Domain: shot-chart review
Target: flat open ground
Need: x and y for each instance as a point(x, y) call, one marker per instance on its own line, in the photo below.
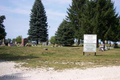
point(9, 72)
point(61, 63)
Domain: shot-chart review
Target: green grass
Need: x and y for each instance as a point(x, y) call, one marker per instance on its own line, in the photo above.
point(59, 57)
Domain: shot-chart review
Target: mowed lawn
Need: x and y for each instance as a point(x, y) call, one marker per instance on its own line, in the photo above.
point(59, 57)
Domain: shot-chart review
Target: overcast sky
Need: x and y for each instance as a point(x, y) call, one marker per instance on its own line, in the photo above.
point(17, 14)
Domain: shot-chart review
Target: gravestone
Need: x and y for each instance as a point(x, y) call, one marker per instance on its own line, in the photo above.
point(101, 48)
point(3, 41)
point(56, 45)
point(24, 41)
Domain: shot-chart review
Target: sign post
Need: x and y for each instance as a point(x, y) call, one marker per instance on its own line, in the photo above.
point(90, 41)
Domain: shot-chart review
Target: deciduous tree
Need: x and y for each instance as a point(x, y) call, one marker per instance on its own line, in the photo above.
point(19, 39)
point(52, 40)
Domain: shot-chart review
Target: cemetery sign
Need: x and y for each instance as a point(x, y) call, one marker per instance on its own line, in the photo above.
point(90, 41)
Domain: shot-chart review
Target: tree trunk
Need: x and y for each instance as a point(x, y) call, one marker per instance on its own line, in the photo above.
point(110, 44)
point(37, 42)
point(97, 43)
point(78, 42)
point(104, 45)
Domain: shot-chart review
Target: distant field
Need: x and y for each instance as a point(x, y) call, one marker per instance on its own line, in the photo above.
point(59, 57)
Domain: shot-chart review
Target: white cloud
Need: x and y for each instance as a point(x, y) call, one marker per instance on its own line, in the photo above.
point(17, 6)
point(17, 10)
point(21, 8)
point(24, 4)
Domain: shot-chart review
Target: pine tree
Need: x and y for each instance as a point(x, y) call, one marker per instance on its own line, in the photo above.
point(38, 23)
point(94, 17)
point(74, 16)
point(64, 34)
point(87, 20)
point(2, 28)
point(106, 20)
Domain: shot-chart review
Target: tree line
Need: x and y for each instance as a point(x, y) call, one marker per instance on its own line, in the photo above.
point(89, 17)
point(84, 17)
point(17, 40)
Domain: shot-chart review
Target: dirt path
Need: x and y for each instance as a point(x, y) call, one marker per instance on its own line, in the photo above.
point(9, 72)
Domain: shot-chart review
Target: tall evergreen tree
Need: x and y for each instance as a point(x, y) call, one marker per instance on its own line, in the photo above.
point(106, 20)
point(2, 28)
point(100, 18)
point(88, 17)
point(94, 17)
point(74, 16)
point(64, 34)
point(38, 23)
